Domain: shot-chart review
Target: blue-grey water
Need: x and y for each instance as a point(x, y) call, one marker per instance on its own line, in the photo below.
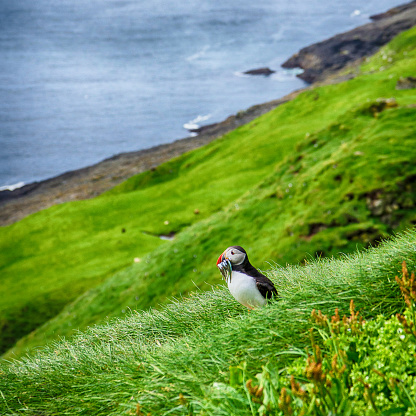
point(81, 81)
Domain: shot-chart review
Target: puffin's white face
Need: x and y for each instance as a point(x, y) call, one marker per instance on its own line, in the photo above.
point(231, 256)
point(234, 255)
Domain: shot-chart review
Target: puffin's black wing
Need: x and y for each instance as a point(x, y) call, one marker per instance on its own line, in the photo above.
point(264, 284)
point(265, 287)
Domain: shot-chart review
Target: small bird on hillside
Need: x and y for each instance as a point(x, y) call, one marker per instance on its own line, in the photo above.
point(245, 282)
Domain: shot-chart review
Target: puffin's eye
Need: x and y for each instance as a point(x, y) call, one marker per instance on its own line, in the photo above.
point(232, 252)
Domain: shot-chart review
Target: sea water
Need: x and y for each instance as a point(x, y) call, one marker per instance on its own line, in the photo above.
point(81, 81)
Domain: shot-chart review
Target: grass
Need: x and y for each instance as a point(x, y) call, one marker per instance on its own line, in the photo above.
point(325, 173)
point(171, 361)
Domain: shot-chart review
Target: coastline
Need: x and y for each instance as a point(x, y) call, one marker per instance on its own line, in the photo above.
point(91, 181)
point(319, 60)
point(321, 66)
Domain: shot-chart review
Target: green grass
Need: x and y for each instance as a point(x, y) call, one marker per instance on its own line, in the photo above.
point(172, 360)
point(328, 172)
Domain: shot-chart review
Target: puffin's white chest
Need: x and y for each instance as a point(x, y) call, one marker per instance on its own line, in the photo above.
point(244, 290)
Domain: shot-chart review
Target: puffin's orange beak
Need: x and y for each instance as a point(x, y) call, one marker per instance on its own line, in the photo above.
point(220, 259)
point(224, 266)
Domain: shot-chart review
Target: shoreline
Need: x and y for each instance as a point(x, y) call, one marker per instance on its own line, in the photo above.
point(91, 181)
point(321, 66)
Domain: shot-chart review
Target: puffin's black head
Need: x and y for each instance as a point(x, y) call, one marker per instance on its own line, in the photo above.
point(235, 254)
point(232, 256)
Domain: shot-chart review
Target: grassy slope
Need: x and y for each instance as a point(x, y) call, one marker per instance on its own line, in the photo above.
point(155, 358)
point(301, 179)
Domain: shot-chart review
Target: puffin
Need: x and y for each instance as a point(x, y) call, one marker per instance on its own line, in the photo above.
point(245, 282)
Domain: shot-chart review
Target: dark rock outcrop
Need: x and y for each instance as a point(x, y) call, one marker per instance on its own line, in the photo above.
point(406, 83)
point(321, 59)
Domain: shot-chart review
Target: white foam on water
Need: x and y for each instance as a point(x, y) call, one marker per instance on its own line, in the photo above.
point(12, 187)
point(198, 54)
point(286, 74)
point(194, 124)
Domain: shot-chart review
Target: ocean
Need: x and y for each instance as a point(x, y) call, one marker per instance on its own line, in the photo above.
point(81, 81)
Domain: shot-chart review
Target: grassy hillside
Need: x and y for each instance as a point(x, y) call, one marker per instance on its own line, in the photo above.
point(328, 172)
point(195, 356)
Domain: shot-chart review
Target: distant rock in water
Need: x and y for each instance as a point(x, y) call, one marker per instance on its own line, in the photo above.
point(321, 59)
point(260, 71)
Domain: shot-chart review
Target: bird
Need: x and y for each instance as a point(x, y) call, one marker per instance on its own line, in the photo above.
point(248, 286)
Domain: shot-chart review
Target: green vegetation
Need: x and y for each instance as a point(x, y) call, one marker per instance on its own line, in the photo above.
point(354, 367)
point(326, 173)
point(195, 356)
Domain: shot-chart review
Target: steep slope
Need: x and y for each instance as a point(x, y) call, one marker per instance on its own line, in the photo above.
point(189, 357)
point(327, 172)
